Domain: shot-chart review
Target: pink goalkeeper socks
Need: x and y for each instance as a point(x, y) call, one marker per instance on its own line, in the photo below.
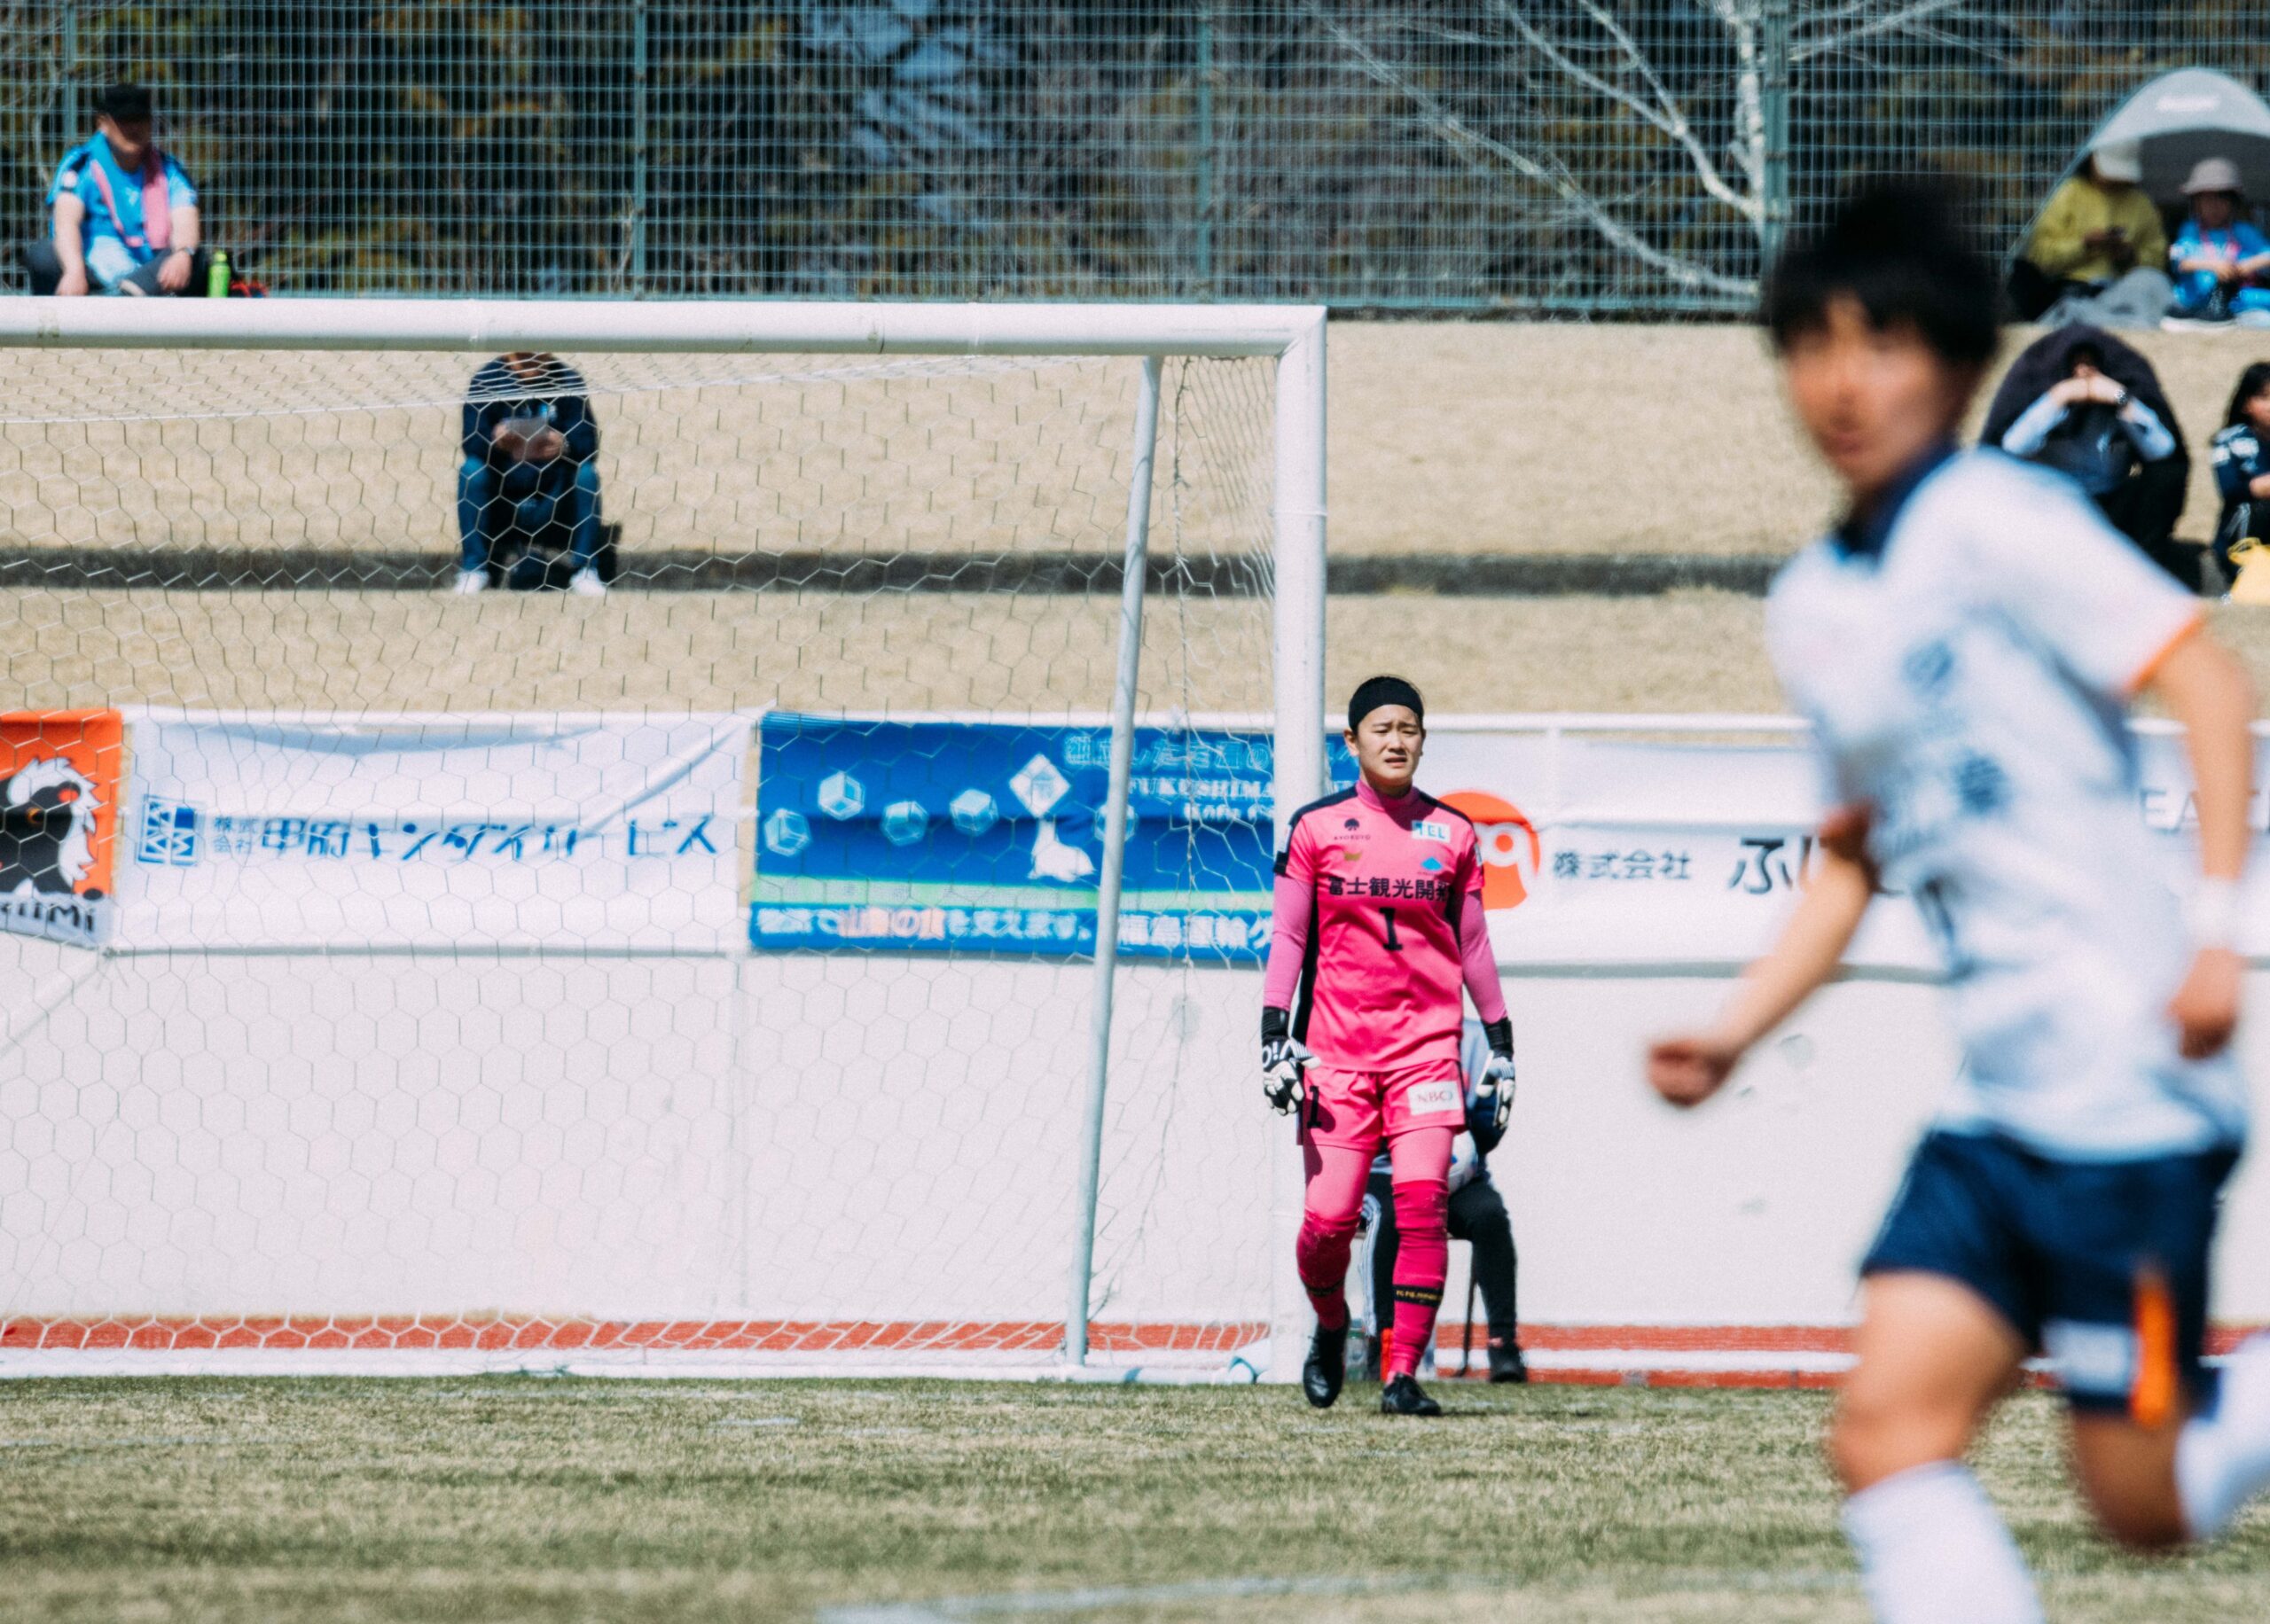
point(1423, 1259)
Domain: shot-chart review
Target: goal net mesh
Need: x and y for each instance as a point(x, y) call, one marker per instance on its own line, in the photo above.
point(705, 966)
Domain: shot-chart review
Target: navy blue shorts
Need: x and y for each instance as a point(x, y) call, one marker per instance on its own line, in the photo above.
point(2101, 1265)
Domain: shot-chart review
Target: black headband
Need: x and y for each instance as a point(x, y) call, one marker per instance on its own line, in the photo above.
point(1380, 691)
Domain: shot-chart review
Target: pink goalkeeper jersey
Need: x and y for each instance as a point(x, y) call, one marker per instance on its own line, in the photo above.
point(1378, 921)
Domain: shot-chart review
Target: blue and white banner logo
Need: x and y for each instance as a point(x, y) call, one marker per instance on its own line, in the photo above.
point(983, 837)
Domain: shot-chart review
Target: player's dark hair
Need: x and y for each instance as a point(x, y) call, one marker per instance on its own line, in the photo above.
point(1374, 691)
point(1899, 249)
point(2252, 382)
point(2081, 353)
point(123, 104)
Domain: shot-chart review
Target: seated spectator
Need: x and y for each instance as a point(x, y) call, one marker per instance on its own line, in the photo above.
point(2096, 252)
point(2241, 463)
point(2221, 260)
point(530, 482)
point(1477, 1216)
point(124, 215)
point(2117, 443)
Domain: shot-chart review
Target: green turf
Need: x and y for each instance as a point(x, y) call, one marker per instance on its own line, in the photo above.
point(517, 1498)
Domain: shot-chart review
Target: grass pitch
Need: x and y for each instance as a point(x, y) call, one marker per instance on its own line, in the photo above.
point(904, 1504)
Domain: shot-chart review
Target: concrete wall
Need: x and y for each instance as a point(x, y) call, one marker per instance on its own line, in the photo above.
point(839, 1138)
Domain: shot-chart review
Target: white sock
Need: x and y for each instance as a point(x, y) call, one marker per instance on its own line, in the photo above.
point(2222, 1460)
point(1933, 1551)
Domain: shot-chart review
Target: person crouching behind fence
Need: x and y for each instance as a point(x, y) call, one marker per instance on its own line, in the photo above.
point(2111, 442)
point(124, 215)
point(528, 489)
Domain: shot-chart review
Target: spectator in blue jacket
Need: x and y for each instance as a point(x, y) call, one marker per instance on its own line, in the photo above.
point(1477, 1216)
point(530, 475)
point(2220, 259)
point(123, 214)
point(2241, 465)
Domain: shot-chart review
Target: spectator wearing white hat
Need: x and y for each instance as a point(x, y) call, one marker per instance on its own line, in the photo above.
point(2221, 262)
point(2097, 250)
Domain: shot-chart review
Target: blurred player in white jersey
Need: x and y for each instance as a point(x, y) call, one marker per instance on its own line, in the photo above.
point(1965, 646)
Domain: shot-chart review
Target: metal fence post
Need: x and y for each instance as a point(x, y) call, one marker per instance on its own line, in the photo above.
point(70, 86)
point(637, 274)
point(1205, 199)
point(1773, 105)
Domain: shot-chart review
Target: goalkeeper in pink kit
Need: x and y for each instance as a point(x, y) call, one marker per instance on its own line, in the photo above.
point(1378, 924)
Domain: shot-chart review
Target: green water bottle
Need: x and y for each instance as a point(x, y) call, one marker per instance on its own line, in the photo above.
point(217, 276)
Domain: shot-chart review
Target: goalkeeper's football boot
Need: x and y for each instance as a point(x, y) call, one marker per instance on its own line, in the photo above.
point(1326, 1370)
point(1506, 1361)
point(1404, 1396)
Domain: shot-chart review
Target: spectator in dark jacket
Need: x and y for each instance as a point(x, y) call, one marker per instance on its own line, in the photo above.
point(2079, 400)
point(531, 474)
point(2241, 465)
point(1477, 1216)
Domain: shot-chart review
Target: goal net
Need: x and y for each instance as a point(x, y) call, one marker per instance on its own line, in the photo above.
point(678, 848)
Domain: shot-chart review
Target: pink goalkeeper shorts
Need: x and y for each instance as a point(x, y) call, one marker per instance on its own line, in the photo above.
point(1357, 1110)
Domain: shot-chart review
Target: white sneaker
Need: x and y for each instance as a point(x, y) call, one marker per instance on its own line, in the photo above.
point(585, 583)
point(469, 582)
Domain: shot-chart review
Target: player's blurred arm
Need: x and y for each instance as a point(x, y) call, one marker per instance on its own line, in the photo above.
point(1687, 1070)
point(2207, 691)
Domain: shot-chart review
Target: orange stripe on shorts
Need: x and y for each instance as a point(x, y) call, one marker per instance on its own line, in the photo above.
point(2152, 1399)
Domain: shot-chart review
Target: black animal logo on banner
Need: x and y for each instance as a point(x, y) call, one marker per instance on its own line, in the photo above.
point(47, 828)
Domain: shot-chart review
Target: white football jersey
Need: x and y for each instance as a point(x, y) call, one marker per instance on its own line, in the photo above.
point(1969, 684)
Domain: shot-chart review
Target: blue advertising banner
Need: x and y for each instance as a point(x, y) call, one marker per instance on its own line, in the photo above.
point(987, 837)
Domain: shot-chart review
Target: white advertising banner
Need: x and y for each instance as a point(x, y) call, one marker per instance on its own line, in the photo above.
point(598, 831)
point(1671, 842)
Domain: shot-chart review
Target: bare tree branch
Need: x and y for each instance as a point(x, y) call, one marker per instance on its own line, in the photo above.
point(1899, 20)
point(1664, 112)
point(1452, 129)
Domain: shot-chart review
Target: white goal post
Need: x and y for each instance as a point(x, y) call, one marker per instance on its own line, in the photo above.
point(78, 438)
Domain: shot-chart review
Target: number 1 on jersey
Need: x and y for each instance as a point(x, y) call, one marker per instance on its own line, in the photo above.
point(1394, 943)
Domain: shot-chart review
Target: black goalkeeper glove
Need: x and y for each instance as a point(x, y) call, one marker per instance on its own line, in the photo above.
point(1493, 1091)
point(1283, 1058)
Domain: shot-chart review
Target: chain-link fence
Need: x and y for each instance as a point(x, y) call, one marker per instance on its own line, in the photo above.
point(1573, 156)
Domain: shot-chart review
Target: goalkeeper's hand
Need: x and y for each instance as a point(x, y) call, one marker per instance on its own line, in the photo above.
point(1283, 1058)
point(1493, 1090)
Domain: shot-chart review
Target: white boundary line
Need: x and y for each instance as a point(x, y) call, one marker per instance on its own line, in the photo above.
point(1212, 1368)
point(1029, 1603)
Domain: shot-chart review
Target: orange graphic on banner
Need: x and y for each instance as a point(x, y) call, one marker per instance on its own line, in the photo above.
point(59, 776)
point(1511, 851)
